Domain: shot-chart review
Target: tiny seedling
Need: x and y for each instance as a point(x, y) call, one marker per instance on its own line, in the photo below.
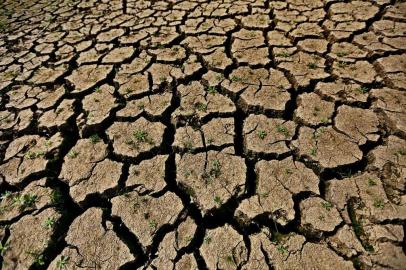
point(264, 194)
point(215, 169)
point(49, 223)
point(201, 107)
point(212, 90)
point(6, 195)
point(73, 154)
point(34, 155)
point(327, 205)
point(189, 191)
point(153, 224)
point(141, 136)
point(230, 259)
point(97, 90)
point(401, 152)
point(189, 238)
point(236, 79)
point(94, 139)
point(313, 151)
point(341, 54)
point(219, 77)
point(61, 263)
point(48, 143)
point(25, 201)
point(312, 65)
point(288, 171)
point(262, 134)
point(362, 90)
point(281, 249)
point(371, 182)
point(3, 247)
point(342, 64)
point(283, 54)
point(379, 203)
point(207, 240)
point(283, 130)
point(38, 258)
point(218, 200)
point(56, 196)
point(325, 120)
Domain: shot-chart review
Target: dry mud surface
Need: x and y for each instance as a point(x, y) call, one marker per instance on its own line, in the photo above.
point(250, 134)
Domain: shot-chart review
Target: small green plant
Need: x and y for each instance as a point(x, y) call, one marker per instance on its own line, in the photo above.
point(4, 248)
point(325, 120)
point(142, 136)
point(188, 145)
point(262, 134)
point(218, 200)
point(379, 203)
point(201, 107)
point(38, 258)
point(371, 182)
point(48, 143)
point(341, 54)
point(312, 65)
point(236, 79)
point(34, 155)
point(283, 130)
point(25, 201)
point(212, 90)
point(313, 151)
point(264, 194)
point(49, 223)
point(207, 240)
point(73, 154)
point(61, 263)
point(6, 195)
point(281, 249)
point(56, 196)
point(97, 90)
point(229, 259)
point(401, 152)
point(94, 139)
point(342, 64)
point(288, 171)
point(219, 77)
point(153, 224)
point(362, 90)
point(283, 54)
point(215, 169)
point(327, 205)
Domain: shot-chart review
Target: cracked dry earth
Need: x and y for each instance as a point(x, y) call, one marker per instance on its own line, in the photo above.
point(250, 134)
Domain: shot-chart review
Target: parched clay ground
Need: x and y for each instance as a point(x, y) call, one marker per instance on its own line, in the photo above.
point(247, 134)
